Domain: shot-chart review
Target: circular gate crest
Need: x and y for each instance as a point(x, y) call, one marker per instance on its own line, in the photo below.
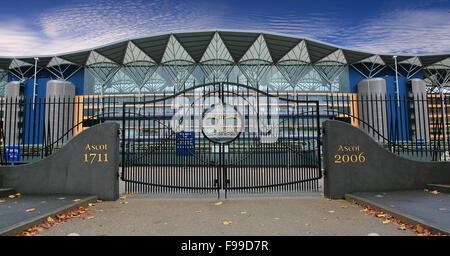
point(222, 123)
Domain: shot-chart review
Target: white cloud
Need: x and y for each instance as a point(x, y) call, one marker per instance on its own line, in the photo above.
point(87, 24)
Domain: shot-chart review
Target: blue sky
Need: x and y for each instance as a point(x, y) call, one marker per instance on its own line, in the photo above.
point(50, 27)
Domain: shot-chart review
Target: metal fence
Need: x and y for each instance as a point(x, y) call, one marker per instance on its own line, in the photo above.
point(34, 129)
point(413, 126)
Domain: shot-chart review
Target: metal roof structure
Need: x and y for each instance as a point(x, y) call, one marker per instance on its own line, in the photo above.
point(179, 52)
point(236, 42)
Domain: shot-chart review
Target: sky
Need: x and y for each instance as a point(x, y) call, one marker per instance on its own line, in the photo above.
point(33, 28)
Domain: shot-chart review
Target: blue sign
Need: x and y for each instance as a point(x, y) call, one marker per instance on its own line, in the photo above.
point(185, 143)
point(12, 153)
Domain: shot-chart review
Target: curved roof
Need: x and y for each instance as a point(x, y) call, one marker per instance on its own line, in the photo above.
point(238, 46)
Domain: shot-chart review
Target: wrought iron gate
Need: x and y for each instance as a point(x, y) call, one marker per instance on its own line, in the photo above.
point(220, 136)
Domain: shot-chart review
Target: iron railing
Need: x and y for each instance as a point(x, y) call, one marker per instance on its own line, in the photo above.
point(414, 126)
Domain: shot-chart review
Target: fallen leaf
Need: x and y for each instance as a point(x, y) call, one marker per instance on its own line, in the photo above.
point(40, 229)
point(341, 200)
point(381, 215)
point(89, 217)
point(11, 196)
point(218, 203)
point(227, 223)
point(30, 210)
point(99, 201)
point(123, 197)
point(386, 221)
point(60, 216)
point(344, 206)
point(91, 204)
point(18, 194)
point(419, 228)
point(77, 200)
point(124, 202)
point(324, 218)
point(199, 211)
point(402, 227)
point(50, 219)
point(100, 210)
point(435, 192)
point(243, 212)
point(332, 211)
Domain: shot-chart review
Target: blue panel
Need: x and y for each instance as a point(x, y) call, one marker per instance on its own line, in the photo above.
point(397, 112)
point(354, 77)
point(185, 143)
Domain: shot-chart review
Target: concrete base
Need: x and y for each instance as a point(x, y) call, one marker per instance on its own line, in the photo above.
point(15, 219)
point(4, 192)
point(414, 207)
point(87, 165)
point(354, 162)
point(439, 187)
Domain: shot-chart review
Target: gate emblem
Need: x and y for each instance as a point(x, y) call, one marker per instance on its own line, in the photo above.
point(222, 123)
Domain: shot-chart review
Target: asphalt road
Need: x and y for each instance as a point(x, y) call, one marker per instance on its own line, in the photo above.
point(302, 215)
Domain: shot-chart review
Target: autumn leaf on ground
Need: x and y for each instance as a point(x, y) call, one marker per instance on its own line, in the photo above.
point(77, 200)
point(60, 216)
point(332, 211)
point(11, 196)
point(124, 202)
point(419, 228)
point(324, 218)
point(227, 223)
point(99, 201)
point(386, 221)
point(219, 203)
point(99, 210)
point(402, 227)
point(18, 194)
point(30, 210)
point(123, 197)
point(91, 204)
point(243, 212)
point(89, 218)
point(200, 211)
point(344, 206)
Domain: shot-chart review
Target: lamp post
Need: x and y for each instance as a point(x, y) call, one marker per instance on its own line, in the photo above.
point(396, 81)
point(34, 83)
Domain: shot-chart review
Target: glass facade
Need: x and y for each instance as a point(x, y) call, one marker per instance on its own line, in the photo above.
point(271, 81)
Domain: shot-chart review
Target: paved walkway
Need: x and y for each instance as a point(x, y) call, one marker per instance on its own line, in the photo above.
point(24, 211)
point(302, 215)
point(429, 209)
